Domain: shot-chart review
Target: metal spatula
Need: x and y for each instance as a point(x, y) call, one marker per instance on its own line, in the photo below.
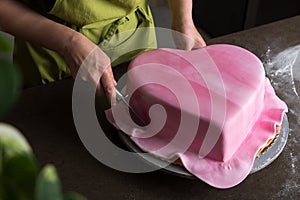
point(134, 115)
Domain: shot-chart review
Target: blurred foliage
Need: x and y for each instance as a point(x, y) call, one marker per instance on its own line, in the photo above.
point(48, 185)
point(19, 176)
point(4, 45)
point(18, 166)
point(10, 80)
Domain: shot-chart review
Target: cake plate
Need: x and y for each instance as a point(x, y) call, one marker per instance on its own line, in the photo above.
point(265, 159)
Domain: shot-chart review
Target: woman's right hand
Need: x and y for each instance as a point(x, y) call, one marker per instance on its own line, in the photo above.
point(94, 64)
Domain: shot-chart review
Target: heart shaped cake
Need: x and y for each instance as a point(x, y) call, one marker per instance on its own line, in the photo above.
point(212, 108)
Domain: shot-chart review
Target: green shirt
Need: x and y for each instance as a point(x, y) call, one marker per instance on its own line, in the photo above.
point(98, 20)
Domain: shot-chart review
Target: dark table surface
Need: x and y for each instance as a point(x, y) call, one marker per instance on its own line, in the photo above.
point(44, 115)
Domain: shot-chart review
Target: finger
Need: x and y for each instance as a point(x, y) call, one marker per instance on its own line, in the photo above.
point(100, 90)
point(108, 84)
point(112, 76)
point(200, 41)
point(197, 45)
point(113, 98)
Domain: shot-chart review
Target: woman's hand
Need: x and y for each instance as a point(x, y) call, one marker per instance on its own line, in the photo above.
point(186, 35)
point(15, 18)
point(182, 22)
point(89, 63)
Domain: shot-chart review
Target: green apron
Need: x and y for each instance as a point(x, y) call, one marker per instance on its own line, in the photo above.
point(98, 20)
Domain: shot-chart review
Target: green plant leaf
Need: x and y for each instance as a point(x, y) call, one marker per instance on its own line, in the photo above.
point(13, 141)
point(19, 175)
point(1, 167)
point(74, 196)
point(4, 45)
point(19, 168)
point(48, 185)
point(10, 83)
point(18, 171)
point(1, 161)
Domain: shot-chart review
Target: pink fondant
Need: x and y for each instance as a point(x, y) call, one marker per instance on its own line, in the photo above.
point(236, 109)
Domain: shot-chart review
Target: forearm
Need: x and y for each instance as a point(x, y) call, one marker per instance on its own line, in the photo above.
point(182, 21)
point(181, 10)
point(17, 19)
point(25, 23)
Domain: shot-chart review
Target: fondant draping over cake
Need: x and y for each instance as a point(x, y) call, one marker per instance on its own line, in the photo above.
point(219, 109)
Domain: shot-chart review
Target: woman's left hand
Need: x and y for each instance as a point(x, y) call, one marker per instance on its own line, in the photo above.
point(186, 35)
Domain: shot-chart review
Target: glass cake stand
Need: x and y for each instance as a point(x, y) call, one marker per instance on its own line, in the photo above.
point(266, 158)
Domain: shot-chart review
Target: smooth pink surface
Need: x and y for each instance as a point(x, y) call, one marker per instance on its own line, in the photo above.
point(236, 109)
